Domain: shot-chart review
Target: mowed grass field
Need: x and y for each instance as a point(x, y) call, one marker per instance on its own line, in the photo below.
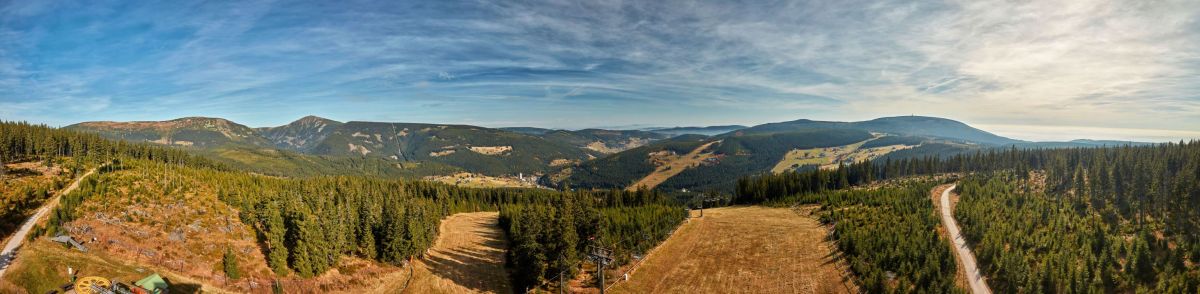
point(468, 257)
point(749, 249)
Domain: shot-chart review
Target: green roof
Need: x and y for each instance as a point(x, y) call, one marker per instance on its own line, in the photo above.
point(153, 283)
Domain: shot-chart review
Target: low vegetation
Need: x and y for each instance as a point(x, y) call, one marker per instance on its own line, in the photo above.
point(744, 249)
point(1061, 220)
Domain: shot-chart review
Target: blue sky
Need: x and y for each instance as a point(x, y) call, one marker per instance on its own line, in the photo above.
point(1041, 70)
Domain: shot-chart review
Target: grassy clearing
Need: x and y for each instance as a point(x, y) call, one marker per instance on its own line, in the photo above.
point(468, 257)
point(829, 157)
point(472, 180)
point(670, 165)
point(743, 250)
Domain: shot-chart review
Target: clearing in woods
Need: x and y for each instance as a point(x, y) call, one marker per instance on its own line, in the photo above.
point(671, 165)
point(829, 157)
point(468, 257)
point(747, 249)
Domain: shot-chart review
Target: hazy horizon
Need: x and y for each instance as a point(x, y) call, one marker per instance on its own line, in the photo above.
point(1040, 71)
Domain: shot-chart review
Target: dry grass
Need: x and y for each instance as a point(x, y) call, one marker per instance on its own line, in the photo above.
point(561, 162)
point(42, 266)
point(630, 143)
point(671, 165)
point(180, 233)
point(743, 250)
point(468, 257)
point(491, 150)
point(472, 180)
point(829, 157)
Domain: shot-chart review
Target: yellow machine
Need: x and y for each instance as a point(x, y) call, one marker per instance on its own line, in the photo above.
point(84, 285)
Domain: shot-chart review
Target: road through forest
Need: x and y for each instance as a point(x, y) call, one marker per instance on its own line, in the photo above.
point(965, 258)
point(10, 249)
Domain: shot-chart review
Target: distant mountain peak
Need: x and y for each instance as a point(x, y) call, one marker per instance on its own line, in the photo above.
point(302, 134)
point(309, 119)
point(186, 131)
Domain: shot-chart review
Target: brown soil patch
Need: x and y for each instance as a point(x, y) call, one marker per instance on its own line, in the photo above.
point(743, 250)
point(468, 257)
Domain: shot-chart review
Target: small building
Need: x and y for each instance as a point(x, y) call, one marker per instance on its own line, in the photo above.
point(154, 284)
point(66, 239)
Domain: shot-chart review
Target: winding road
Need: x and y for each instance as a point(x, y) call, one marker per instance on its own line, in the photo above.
point(10, 249)
point(965, 258)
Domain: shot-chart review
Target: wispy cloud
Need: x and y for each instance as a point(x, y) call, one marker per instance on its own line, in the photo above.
point(1103, 63)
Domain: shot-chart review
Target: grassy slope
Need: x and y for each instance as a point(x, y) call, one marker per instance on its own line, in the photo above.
point(742, 250)
point(468, 257)
point(829, 157)
point(169, 220)
point(619, 170)
point(746, 154)
point(673, 165)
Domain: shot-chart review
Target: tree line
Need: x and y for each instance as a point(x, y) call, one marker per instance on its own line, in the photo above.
point(550, 239)
point(21, 141)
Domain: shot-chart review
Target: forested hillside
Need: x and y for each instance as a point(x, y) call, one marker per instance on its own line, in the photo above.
point(618, 171)
point(1090, 220)
point(201, 132)
point(752, 153)
point(888, 237)
point(22, 141)
point(475, 149)
point(603, 141)
point(1117, 219)
point(305, 226)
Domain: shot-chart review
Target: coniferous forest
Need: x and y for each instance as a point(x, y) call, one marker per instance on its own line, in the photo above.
point(304, 225)
point(1082, 220)
point(550, 238)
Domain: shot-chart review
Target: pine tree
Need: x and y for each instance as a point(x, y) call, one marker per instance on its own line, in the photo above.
point(230, 264)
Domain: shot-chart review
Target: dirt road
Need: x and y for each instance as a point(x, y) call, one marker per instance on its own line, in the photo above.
point(10, 250)
point(468, 257)
point(965, 259)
